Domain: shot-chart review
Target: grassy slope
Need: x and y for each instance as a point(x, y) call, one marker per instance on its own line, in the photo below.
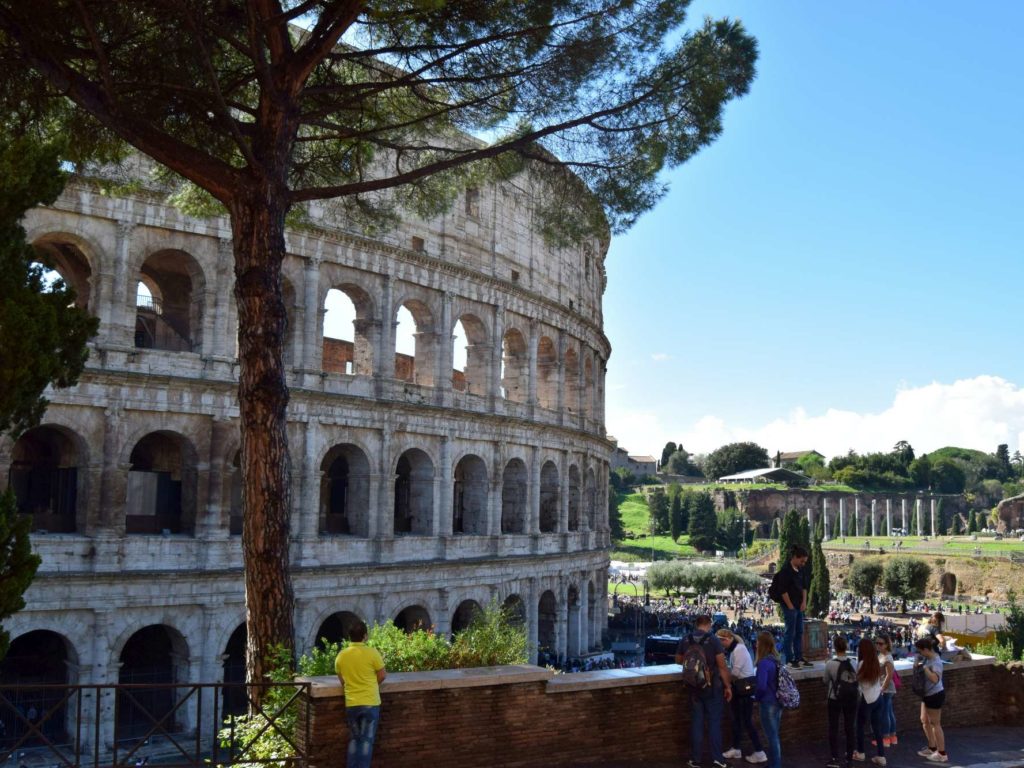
point(636, 519)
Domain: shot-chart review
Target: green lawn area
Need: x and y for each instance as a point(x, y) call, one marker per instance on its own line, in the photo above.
point(634, 513)
point(960, 544)
point(636, 520)
point(765, 487)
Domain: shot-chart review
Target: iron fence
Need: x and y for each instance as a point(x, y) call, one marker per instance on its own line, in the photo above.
point(173, 725)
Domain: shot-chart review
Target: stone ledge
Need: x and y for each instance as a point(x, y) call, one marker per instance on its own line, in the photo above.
point(325, 687)
point(614, 678)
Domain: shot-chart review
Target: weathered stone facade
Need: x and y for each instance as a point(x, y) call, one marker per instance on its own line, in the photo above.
point(419, 491)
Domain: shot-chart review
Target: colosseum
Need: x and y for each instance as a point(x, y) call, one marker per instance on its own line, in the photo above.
point(446, 428)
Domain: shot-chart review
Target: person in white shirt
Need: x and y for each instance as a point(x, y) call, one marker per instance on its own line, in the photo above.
point(741, 670)
point(870, 675)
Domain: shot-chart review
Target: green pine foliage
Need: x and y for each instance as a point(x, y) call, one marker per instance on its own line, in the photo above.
point(818, 594)
point(972, 522)
point(17, 563)
point(703, 523)
point(657, 502)
point(675, 514)
point(614, 516)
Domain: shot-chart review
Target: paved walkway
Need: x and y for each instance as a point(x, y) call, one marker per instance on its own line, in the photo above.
point(968, 748)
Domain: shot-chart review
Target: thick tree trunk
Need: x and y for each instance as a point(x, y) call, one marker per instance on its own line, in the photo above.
point(258, 228)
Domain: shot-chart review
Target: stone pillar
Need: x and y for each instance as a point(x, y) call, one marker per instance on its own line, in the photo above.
point(110, 518)
point(311, 353)
point(122, 302)
point(531, 351)
point(385, 367)
point(563, 494)
point(562, 624)
point(903, 515)
point(443, 508)
point(533, 507)
point(856, 516)
point(560, 376)
point(386, 486)
point(888, 517)
point(497, 476)
point(105, 670)
point(442, 613)
point(446, 353)
point(497, 403)
point(220, 345)
point(920, 523)
point(214, 523)
point(874, 518)
point(584, 617)
point(935, 527)
point(309, 507)
point(825, 521)
point(532, 618)
point(842, 517)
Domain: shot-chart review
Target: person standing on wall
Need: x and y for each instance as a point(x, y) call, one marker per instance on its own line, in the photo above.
point(705, 673)
point(361, 671)
point(789, 589)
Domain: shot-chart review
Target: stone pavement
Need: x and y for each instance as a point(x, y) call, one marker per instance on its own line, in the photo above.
point(991, 747)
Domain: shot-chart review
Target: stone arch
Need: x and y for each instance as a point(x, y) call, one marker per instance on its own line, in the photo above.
point(549, 497)
point(46, 478)
point(156, 654)
point(514, 497)
point(473, 377)
point(345, 491)
point(417, 368)
point(235, 701)
point(574, 497)
point(171, 316)
point(463, 616)
point(469, 495)
point(547, 618)
point(337, 627)
point(65, 255)
point(515, 610)
point(161, 494)
point(348, 339)
point(547, 373)
point(572, 380)
point(590, 499)
point(414, 493)
point(515, 366)
point(37, 658)
point(413, 617)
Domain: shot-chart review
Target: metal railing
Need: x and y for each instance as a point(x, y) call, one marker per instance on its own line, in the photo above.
point(174, 725)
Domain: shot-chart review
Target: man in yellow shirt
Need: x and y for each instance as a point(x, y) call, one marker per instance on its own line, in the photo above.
point(361, 671)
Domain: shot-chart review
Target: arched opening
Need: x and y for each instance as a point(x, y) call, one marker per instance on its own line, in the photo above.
point(415, 347)
point(169, 303)
point(572, 380)
point(63, 259)
point(236, 518)
point(161, 485)
point(547, 373)
point(470, 354)
point(515, 610)
point(464, 615)
point(38, 658)
point(155, 656)
point(469, 499)
point(336, 627)
point(514, 494)
point(547, 617)
point(44, 478)
point(515, 367)
point(413, 618)
point(590, 499)
point(414, 493)
point(548, 497)
point(345, 491)
point(573, 626)
point(588, 387)
point(235, 700)
point(574, 498)
point(348, 331)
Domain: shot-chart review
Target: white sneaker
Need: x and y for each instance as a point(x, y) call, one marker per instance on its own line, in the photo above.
point(938, 757)
point(878, 760)
point(757, 757)
point(925, 751)
point(858, 756)
point(732, 754)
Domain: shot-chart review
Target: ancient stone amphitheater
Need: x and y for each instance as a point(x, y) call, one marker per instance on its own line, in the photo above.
point(434, 470)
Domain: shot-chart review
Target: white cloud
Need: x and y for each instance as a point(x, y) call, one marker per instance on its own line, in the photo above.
point(660, 357)
point(981, 413)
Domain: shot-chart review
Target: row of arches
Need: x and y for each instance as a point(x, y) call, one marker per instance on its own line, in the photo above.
point(415, 340)
point(49, 464)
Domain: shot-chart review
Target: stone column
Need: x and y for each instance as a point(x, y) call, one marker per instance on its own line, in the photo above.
point(842, 517)
point(446, 353)
point(443, 508)
point(531, 351)
point(888, 517)
point(903, 515)
point(220, 345)
point(810, 520)
point(563, 495)
point(562, 623)
point(920, 523)
point(105, 670)
point(874, 518)
point(825, 521)
point(560, 375)
point(385, 367)
point(497, 476)
point(309, 506)
point(856, 516)
point(533, 508)
point(386, 487)
point(311, 353)
point(532, 618)
point(214, 523)
point(497, 403)
point(110, 518)
point(442, 613)
point(584, 617)
point(122, 303)
point(935, 527)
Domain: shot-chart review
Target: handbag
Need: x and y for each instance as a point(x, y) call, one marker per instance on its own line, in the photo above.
point(744, 686)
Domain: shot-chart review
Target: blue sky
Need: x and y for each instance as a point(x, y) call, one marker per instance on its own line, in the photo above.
point(843, 267)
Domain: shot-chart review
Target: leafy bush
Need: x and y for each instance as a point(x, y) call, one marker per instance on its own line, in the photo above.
point(1002, 651)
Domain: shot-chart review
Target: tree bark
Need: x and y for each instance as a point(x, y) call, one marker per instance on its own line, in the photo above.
point(257, 222)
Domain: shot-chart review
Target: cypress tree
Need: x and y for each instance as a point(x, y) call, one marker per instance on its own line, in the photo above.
point(972, 523)
point(675, 515)
point(805, 533)
point(703, 523)
point(818, 594)
point(17, 563)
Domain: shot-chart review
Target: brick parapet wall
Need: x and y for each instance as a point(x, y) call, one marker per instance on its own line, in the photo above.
point(524, 716)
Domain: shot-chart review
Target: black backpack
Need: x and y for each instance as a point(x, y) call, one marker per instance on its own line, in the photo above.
point(845, 687)
point(696, 674)
point(918, 681)
point(775, 591)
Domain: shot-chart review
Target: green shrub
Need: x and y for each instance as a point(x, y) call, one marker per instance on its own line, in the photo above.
point(1002, 651)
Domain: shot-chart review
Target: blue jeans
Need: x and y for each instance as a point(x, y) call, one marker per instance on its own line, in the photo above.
point(793, 642)
point(771, 721)
point(889, 713)
point(871, 713)
point(707, 705)
point(362, 729)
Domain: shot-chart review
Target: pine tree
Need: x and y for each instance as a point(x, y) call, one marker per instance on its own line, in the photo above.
point(657, 502)
point(703, 523)
point(789, 534)
point(17, 563)
point(818, 595)
point(972, 523)
point(774, 533)
point(805, 533)
point(614, 516)
point(675, 516)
